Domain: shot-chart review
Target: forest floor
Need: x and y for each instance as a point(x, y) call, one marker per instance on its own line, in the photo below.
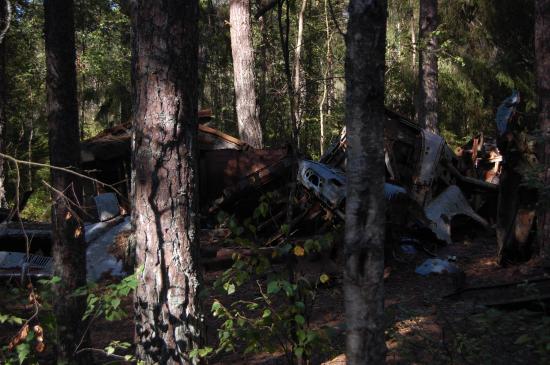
point(424, 327)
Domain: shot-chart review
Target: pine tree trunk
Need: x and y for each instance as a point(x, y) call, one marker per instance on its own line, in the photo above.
point(68, 246)
point(542, 52)
point(248, 121)
point(365, 206)
point(428, 68)
point(165, 194)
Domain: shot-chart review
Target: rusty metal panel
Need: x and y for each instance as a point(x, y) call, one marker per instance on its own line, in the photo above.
point(227, 172)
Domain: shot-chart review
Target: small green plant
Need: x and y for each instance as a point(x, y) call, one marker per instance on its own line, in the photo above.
point(30, 340)
point(279, 316)
point(105, 301)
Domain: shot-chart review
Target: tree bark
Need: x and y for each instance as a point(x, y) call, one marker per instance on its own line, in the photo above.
point(413, 38)
point(428, 68)
point(5, 15)
point(542, 53)
point(165, 196)
point(248, 121)
point(284, 31)
point(365, 206)
point(326, 74)
point(299, 91)
point(68, 246)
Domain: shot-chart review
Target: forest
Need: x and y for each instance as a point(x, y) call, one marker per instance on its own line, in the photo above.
point(274, 182)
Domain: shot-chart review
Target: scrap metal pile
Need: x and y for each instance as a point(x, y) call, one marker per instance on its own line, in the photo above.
point(427, 186)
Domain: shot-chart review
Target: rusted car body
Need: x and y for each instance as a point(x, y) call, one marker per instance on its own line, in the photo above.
point(230, 169)
point(418, 162)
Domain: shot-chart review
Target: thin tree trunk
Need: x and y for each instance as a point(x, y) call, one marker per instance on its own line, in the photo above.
point(299, 91)
point(165, 195)
point(264, 66)
point(413, 38)
point(284, 30)
point(322, 113)
point(82, 100)
point(428, 68)
point(29, 154)
point(365, 206)
point(248, 120)
point(542, 52)
point(5, 17)
point(328, 69)
point(68, 246)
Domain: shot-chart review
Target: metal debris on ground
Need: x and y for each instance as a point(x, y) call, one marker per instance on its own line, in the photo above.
point(100, 236)
point(20, 265)
point(437, 266)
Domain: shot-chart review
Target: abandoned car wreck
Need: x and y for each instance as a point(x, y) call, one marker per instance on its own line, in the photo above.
point(428, 186)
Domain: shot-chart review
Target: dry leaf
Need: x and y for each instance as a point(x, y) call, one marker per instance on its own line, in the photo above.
point(38, 330)
point(40, 347)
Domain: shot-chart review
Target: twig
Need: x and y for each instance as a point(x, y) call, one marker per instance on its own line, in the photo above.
point(103, 352)
point(72, 203)
point(88, 325)
point(67, 170)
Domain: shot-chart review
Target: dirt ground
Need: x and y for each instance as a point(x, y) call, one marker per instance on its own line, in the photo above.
point(424, 327)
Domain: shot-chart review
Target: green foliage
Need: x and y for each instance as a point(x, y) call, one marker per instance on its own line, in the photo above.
point(38, 207)
point(105, 301)
point(34, 333)
point(103, 71)
point(485, 50)
point(279, 316)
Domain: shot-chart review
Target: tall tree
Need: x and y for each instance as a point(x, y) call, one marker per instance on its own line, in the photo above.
point(542, 54)
point(428, 69)
point(299, 90)
point(68, 246)
point(248, 119)
point(165, 196)
point(365, 206)
point(5, 18)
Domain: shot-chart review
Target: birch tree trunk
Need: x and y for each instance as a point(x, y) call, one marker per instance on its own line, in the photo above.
point(428, 68)
point(248, 121)
point(365, 206)
point(542, 53)
point(165, 195)
point(68, 246)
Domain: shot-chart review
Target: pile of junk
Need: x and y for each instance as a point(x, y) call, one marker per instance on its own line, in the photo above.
point(430, 190)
